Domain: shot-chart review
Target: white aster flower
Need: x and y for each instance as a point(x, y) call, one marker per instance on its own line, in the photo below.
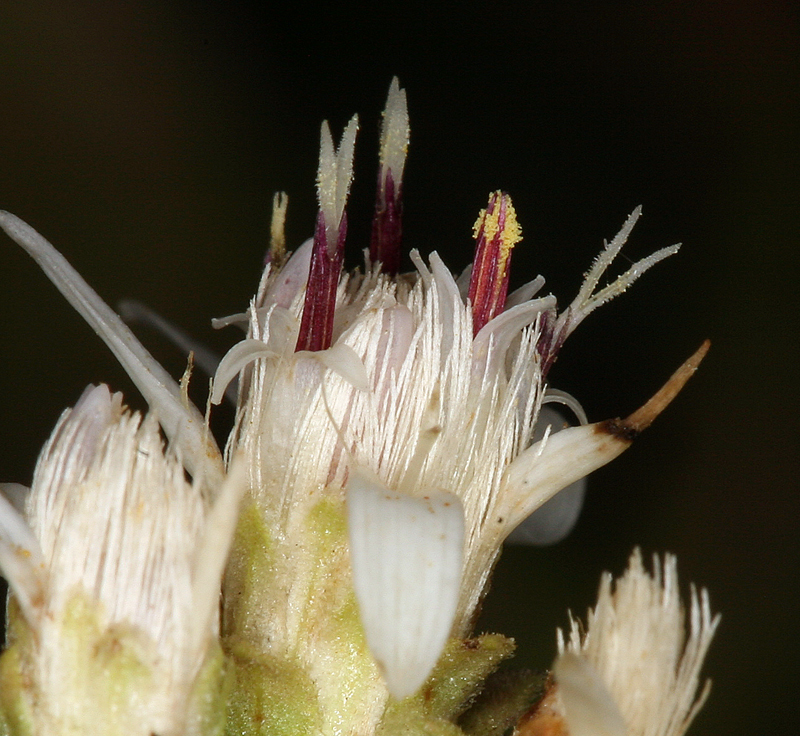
point(416, 409)
point(387, 427)
point(635, 669)
point(115, 570)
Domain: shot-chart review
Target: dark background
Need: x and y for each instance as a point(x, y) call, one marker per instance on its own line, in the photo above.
point(145, 140)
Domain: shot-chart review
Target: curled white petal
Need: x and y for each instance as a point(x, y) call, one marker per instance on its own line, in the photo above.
point(525, 292)
point(291, 279)
point(554, 396)
point(496, 336)
point(556, 518)
point(240, 319)
point(235, 359)
point(406, 555)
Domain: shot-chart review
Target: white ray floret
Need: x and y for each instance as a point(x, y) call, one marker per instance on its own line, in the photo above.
point(406, 555)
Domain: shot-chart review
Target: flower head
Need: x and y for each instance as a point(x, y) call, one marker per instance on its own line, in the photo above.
point(418, 415)
point(387, 430)
point(115, 570)
point(634, 670)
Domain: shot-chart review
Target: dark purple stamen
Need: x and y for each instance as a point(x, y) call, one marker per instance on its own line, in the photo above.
point(316, 327)
point(551, 338)
point(387, 224)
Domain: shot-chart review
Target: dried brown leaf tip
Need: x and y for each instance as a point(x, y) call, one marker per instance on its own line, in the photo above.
point(629, 428)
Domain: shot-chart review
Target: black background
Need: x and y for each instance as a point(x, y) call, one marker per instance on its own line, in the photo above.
point(145, 140)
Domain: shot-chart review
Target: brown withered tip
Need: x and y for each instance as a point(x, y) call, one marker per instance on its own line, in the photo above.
point(628, 429)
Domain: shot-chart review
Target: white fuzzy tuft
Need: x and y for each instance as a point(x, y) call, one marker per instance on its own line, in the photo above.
point(113, 526)
point(116, 517)
point(636, 640)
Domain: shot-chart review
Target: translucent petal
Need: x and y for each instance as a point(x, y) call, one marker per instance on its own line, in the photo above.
point(344, 361)
point(525, 292)
point(553, 520)
point(556, 518)
point(291, 279)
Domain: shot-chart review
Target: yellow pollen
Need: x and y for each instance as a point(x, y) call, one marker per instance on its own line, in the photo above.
point(510, 234)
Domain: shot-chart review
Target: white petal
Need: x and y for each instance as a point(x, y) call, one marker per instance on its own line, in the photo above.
point(291, 279)
point(554, 396)
point(495, 337)
point(406, 554)
point(212, 554)
point(589, 709)
point(553, 463)
point(240, 319)
point(21, 560)
point(562, 458)
point(235, 359)
point(182, 422)
point(556, 518)
point(525, 292)
point(344, 361)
